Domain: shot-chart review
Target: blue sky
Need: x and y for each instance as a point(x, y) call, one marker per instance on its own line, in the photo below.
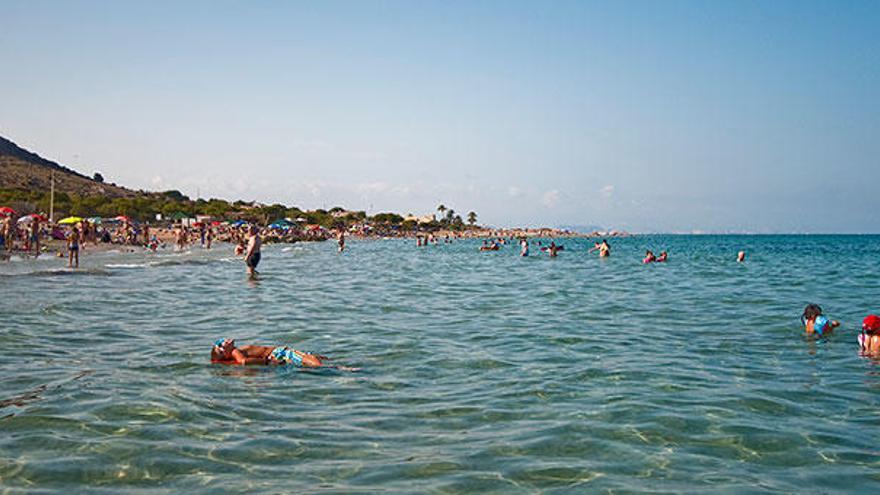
point(646, 116)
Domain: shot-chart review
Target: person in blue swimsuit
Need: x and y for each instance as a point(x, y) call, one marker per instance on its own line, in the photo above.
point(815, 323)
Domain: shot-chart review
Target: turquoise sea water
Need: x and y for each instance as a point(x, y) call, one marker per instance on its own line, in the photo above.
point(482, 372)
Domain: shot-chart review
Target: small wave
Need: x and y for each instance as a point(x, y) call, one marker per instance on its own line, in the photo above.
point(126, 265)
point(61, 272)
point(177, 262)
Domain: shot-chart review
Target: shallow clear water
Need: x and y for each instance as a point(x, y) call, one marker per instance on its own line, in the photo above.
point(482, 372)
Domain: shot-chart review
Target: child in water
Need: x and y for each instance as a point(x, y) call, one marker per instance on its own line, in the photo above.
point(815, 322)
point(869, 339)
point(649, 257)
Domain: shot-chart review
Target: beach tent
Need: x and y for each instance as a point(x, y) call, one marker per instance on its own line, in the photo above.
point(6, 211)
point(178, 215)
point(70, 220)
point(283, 222)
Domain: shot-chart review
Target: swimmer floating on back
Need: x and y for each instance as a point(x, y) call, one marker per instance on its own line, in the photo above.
point(224, 351)
point(815, 322)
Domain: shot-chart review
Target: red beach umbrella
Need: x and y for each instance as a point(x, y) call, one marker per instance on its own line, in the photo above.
point(123, 218)
point(6, 211)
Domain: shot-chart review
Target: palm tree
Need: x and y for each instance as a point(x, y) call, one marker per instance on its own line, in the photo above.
point(441, 209)
point(472, 217)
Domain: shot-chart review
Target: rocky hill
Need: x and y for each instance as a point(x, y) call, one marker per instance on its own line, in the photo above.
point(23, 170)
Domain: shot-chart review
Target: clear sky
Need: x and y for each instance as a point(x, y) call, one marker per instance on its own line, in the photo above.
point(647, 116)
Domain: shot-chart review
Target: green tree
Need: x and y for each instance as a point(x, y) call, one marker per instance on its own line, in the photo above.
point(472, 217)
point(442, 208)
point(388, 218)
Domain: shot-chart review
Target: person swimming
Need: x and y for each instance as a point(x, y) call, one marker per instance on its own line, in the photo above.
point(553, 249)
point(224, 351)
point(740, 256)
point(662, 258)
point(869, 338)
point(603, 248)
point(815, 322)
point(493, 246)
point(649, 257)
point(524, 245)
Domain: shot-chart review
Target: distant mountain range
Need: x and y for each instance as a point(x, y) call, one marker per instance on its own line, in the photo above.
point(21, 169)
point(582, 229)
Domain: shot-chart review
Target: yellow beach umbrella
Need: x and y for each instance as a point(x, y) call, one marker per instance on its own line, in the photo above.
point(70, 220)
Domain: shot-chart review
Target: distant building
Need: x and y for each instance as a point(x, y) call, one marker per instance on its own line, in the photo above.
point(420, 219)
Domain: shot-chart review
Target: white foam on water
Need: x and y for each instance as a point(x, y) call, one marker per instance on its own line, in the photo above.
point(125, 265)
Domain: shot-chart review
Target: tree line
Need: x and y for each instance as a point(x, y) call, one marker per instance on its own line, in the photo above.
point(172, 204)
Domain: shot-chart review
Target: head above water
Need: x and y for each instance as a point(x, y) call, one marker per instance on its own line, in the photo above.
point(222, 348)
point(811, 312)
point(871, 324)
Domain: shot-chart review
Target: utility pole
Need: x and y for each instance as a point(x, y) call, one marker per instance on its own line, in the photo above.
point(52, 199)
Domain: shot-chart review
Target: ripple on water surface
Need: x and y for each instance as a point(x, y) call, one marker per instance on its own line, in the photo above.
point(482, 372)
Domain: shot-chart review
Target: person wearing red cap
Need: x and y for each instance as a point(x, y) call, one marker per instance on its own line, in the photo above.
point(869, 339)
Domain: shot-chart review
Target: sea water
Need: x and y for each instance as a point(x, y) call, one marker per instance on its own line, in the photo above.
point(481, 371)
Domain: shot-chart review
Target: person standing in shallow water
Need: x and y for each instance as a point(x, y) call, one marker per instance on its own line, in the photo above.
point(252, 255)
point(340, 239)
point(73, 248)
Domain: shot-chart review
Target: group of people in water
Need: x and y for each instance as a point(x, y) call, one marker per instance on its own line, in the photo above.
point(553, 249)
point(224, 351)
point(818, 325)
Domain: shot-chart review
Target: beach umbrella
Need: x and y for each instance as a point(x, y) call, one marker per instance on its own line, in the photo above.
point(239, 223)
point(123, 218)
point(95, 220)
point(70, 220)
point(216, 223)
point(30, 218)
point(6, 211)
